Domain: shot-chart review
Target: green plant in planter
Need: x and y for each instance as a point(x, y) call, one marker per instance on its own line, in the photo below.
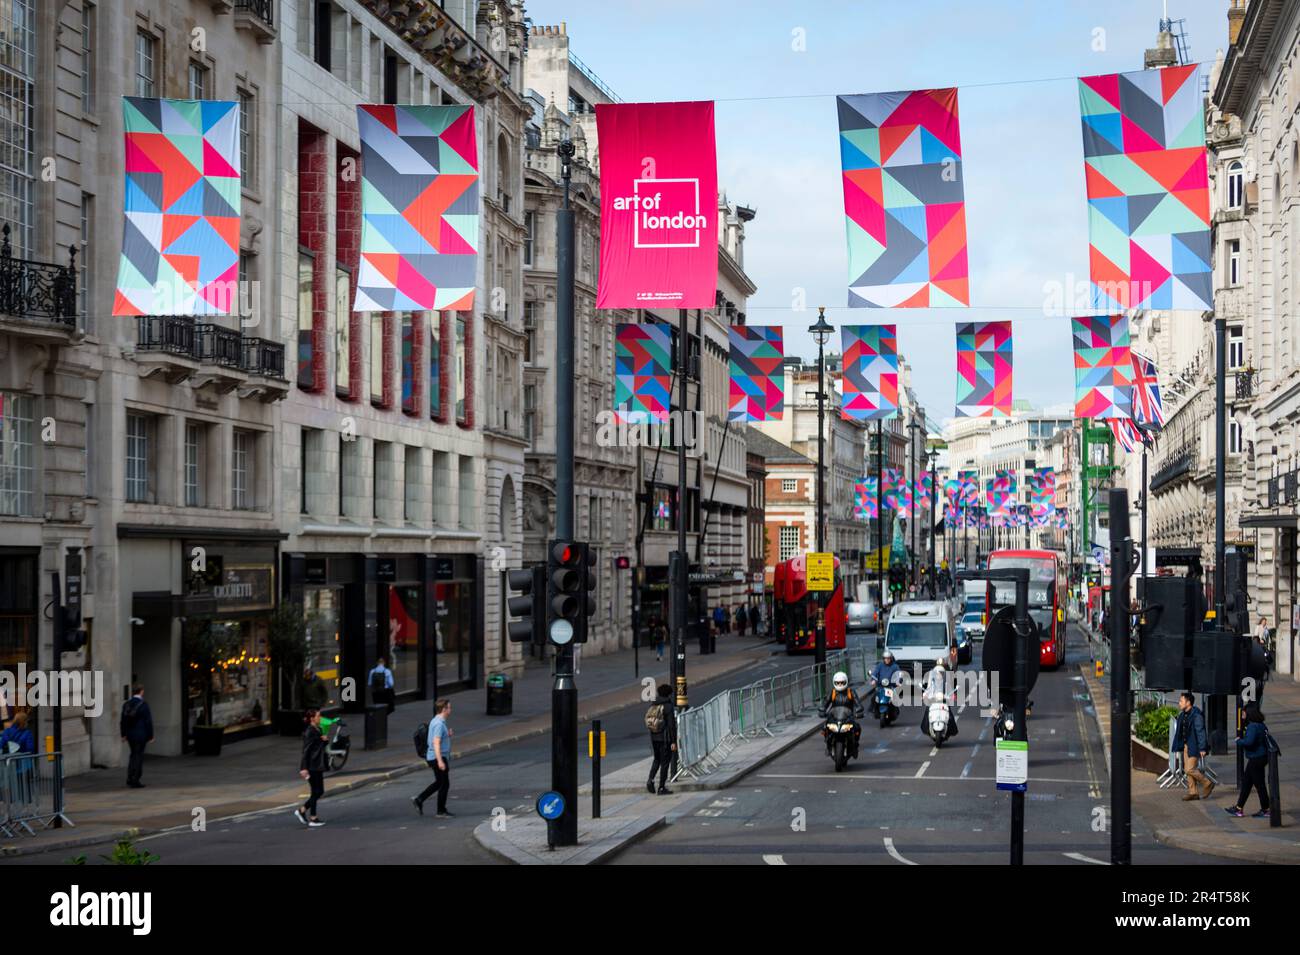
point(205, 648)
point(287, 642)
point(1153, 725)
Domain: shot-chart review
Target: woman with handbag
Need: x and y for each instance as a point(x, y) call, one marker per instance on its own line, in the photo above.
point(1255, 744)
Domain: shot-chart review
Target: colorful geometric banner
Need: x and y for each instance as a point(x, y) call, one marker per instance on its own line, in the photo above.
point(1001, 491)
point(924, 492)
point(1148, 190)
point(865, 502)
point(1148, 408)
point(1103, 367)
point(952, 491)
point(905, 498)
point(659, 205)
point(984, 370)
point(1042, 485)
point(892, 478)
point(419, 208)
point(970, 488)
point(642, 372)
point(180, 235)
point(904, 200)
point(870, 371)
point(757, 375)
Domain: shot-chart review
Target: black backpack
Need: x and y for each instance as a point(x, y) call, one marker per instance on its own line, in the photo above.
point(131, 712)
point(421, 740)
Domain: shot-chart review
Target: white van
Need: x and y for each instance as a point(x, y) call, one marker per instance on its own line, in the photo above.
point(921, 631)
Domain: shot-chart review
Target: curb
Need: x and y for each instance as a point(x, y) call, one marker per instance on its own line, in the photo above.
point(1267, 854)
point(641, 827)
point(13, 851)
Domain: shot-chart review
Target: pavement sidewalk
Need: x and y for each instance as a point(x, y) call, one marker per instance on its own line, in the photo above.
point(1202, 825)
point(261, 774)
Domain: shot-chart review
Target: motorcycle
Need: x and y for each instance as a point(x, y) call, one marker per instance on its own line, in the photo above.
point(938, 721)
point(1004, 723)
point(338, 743)
point(886, 710)
point(840, 732)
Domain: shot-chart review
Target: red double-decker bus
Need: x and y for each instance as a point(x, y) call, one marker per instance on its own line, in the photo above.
point(1046, 597)
point(795, 608)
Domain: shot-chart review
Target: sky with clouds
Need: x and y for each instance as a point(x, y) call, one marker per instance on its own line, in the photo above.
point(778, 148)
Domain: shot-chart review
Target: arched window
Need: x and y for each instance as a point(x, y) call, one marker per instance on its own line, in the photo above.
point(1234, 184)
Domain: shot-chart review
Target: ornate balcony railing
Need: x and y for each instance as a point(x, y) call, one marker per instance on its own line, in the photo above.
point(38, 290)
point(258, 16)
point(219, 346)
point(264, 358)
point(170, 334)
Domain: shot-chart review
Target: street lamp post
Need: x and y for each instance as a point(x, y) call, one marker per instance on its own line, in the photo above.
point(934, 495)
point(913, 427)
point(821, 333)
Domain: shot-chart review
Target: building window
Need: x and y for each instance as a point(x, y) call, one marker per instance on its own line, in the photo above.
point(139, 458)
point(342, 333)
point(530, 331)
point(530, 412)
point(410, 399)
point(146, 64)
point(1234, 184)
point(1236, 347)
point(324, 21)
point(193, 464)
point(1234, 262)
point(247, 139)
point(309, 455)
point(241, 470)
point(789, 485)
point(377, 358)
point(17, 99)
point(306, 289)
point(462, 370)
point(530, 222)
point(789, 543)
point(87, 57)
point(1235, 436)
point(198, 81)
point(661, 517)
point(435, 365)
point(15, 455)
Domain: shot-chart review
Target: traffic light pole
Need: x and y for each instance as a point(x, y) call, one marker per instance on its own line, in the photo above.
point(1121, 704)
point(679, 568)
point(1216, 707)
point(564, 690)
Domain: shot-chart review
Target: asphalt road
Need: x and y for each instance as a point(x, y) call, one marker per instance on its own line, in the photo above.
point(378, 824)
point(904, 802)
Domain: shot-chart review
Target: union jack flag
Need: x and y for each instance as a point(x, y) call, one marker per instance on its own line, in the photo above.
point(1126, 433)
point(1148, 409)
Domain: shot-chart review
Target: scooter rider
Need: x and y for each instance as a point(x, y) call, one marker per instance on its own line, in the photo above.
point(883, 673)
point(841, 695)
point(935, 690)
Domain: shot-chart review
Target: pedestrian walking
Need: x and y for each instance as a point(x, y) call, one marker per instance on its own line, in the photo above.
point(136, 727)
point(439, 759)
point(315, 694)
point(380, 679)
point(719, 618)
point(312, 768)
point(753, 619)
point(661, 721)
point(1194, 741)
point(1255, 745)
point(741, 621)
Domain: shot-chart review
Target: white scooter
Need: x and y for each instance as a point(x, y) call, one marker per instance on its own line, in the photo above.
point(938, 722)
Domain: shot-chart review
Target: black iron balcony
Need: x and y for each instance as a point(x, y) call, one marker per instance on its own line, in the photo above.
point(39, 291)
point(169, 334)
point(258, 16)
point(263, 358)
point(219, 346)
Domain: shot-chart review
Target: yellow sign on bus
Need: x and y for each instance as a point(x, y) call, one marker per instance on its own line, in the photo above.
point(821, 571)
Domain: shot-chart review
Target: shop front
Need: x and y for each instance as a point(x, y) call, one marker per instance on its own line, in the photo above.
point(422, 613)
point(231, 598)
point(18, 621)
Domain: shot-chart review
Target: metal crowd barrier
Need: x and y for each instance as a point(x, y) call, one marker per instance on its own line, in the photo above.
point(707, 734)
point(1136, 678)
point(31, 792)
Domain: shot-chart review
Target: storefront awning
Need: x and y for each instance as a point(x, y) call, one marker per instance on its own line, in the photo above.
point(1270, 520)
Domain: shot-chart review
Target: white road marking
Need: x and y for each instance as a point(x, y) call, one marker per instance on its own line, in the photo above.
point(774, 860)
point(934, 751)
point(1080, 857)
point(921, 772)
point(965, 770)
point(895, 854)
point(1039, 779)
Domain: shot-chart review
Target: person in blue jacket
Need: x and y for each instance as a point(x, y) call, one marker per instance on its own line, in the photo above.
point(1194, 742)
point(1254, 746)
point(884, 672)
point(17, 740)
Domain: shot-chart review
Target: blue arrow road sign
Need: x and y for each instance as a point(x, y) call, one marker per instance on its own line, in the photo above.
point(550, 806)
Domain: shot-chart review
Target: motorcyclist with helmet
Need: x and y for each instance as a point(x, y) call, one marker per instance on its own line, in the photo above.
point(884, 673)
point(935, 689)
point(842, 695)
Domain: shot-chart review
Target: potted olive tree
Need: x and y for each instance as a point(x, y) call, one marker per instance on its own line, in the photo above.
point(287, 640)
point(205, 648)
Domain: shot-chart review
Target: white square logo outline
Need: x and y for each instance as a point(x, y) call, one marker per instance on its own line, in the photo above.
point(636, 220)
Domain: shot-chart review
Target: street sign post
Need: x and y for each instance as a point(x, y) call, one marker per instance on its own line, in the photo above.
point(821, 571)
point(550, 806)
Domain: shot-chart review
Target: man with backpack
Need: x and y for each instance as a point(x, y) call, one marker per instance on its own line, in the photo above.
point(136, 726)
point(661, 721)
point(381, 685)
point(437, 754)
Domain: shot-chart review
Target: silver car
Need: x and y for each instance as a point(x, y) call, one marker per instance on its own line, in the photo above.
point(972, 624)
point(861, 617)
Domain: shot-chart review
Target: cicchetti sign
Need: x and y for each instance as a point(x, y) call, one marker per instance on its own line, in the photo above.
point(659, 199)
